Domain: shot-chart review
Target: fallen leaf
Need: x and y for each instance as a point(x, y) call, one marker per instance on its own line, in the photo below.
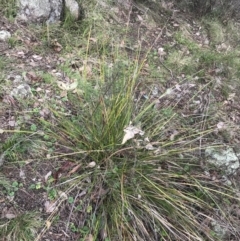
point(149, 147)
point(8, 213)
point(47, 176)
point(49, 206)
point(129, 135)
point(10, 216)
point(63, 169)
point(44, 112)
point(48, 224)
point(87, 69)
point(122, 44)
point(91, 164)
point(161, 52)
point(139, 18)
point(89, 238)
point(37, 57)
point(63, 195)
point(130, 132)
point(83, 193)
point(220, 125)
point(33, 77)
point(93, 39)
point(22, 174)
point(38, 89)
point(146, 139)
point(63, 94)
point(75, 169)
point(20, 54)
point(178, 87)
point(175, 132)
point(57, 46)
point(67, 86)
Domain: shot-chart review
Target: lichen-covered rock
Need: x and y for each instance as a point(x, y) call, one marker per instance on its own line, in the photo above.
point(50, 11)
point(227, 159)
point(21, 91)
point(219, 230)
point(4, 35)
point(39, 11)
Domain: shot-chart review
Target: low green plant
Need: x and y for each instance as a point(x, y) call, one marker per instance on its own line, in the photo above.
point(216, 31)
point(14, 188)
point(52, 194)
point(5, 183)
point(13, 41)
point(3, 63)
point(70, 200)
point(182, 37)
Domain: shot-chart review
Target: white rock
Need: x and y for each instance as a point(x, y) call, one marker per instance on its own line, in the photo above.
point(73, 7)
point(4, 35)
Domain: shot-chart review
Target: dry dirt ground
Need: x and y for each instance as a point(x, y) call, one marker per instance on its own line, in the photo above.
point(29, 57)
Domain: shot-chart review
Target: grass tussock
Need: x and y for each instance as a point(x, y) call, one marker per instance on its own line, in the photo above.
point(23, 227)
point(147, 188)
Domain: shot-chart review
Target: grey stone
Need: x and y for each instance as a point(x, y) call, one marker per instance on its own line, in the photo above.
point(219, 230)
point(50, 11)
point(40, 10)
point(4, 35)
point(73, 7)
point(227, 159)
point(21, 91)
